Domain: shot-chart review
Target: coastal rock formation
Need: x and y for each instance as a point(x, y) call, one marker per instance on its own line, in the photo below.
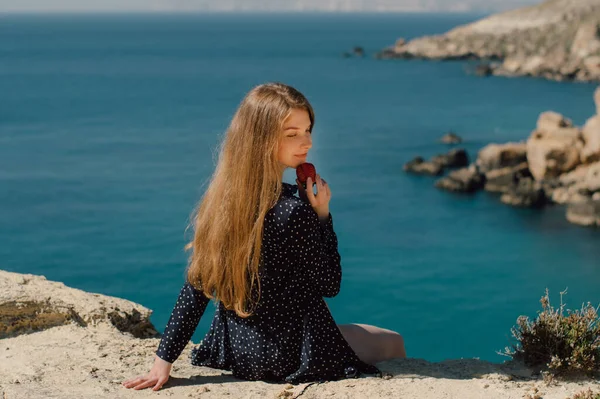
point(525, 193)
point(578, 185)
point(585, 212)
point(74, 361)
point(559, 163)
point(451, 138)
point(419, 166)
point(454, 158)
point(466, 180)
point(554, 147)
point(503, 179)
point(591, 137)
point(498, 156)
point(30, 303)
point(557, 39)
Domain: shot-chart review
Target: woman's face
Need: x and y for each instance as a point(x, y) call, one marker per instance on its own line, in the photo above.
point(296, 139)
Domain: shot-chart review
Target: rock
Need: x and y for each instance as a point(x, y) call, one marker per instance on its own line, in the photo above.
point(573, 196)
point(554, 147)
point(465, 180)
point(586, 41)
point(575, 176)
point(32, 304)
point(550, 121)
point(592, 178)
point(497, 156)
point(484, 70)
point(455, 158)
point(501, 180)
point(561, 195)
point(358, 51)
point(385, 54)
point(526, 193)
point(585, 212)
point(419, 166)
point(584, 181)
point(597, 99)
point(578, 184)
point(512, 66)
point(592, 67)
point(451, 138)
point(549, 187)
point(549, 159)
point(591, 136)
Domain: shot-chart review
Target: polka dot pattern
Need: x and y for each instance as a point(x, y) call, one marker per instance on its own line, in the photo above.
point(291, 337)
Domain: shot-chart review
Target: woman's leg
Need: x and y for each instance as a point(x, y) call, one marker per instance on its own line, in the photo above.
point(373, 344)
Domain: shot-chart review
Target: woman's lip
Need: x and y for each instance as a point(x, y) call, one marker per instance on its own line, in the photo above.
point(301, 156)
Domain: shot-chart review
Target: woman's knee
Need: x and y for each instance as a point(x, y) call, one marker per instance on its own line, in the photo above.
point(380, 344)
point(362, 342)
point(397, 348)
point(392, 343)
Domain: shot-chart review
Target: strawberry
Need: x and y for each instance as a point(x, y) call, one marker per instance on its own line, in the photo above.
point(304, 171)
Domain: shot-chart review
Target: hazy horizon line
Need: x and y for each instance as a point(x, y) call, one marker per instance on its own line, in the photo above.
point(70, 12)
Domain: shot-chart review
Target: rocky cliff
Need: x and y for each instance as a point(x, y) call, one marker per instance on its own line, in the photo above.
point(557, 39)
point(60, 342)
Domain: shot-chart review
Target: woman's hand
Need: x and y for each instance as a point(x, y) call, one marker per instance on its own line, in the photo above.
point(156, 377)
point(320, 200)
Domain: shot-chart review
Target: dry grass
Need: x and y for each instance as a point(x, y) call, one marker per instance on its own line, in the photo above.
point(566, 343)
point(586, 394)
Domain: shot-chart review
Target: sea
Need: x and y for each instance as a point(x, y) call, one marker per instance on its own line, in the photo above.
point(109, 131)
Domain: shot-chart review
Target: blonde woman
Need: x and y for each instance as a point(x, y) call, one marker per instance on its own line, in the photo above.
point(268, 257)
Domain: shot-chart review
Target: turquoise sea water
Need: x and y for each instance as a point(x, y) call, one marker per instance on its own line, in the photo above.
point(108, 131)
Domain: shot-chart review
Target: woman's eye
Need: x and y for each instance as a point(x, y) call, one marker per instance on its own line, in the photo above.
point(292, 135)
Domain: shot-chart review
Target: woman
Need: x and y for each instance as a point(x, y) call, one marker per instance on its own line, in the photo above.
point(268, 257)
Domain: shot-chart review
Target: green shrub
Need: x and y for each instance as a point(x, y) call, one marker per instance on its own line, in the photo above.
point(565, 344)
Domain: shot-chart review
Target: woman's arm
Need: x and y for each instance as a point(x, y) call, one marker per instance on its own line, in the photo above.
point(181, 326)
point(314, 243)
point(184, 319)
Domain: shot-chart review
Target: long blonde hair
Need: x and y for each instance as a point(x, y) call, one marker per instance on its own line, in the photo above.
point(246, 183)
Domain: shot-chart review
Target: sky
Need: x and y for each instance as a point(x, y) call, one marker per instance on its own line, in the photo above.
point(259, 5)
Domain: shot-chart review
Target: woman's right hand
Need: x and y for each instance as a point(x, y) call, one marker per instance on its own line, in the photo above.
point(158, 376)
point(319, 201)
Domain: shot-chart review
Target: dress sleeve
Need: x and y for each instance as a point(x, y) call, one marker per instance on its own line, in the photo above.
point(314, 244)
point(184, 319)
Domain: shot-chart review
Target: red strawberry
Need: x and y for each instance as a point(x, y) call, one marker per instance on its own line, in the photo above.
point(304, 171)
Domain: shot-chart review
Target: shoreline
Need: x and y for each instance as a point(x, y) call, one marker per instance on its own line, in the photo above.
point(556, 40)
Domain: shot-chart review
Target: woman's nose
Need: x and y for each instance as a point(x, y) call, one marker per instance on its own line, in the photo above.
point(307, 142)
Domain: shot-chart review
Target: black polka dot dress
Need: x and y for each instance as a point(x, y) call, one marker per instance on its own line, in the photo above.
point(291, 336)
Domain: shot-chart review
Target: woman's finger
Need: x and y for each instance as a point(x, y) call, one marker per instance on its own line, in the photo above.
point(159, 384)
point(145, 384)
point(309, 190)
point(132, 381)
